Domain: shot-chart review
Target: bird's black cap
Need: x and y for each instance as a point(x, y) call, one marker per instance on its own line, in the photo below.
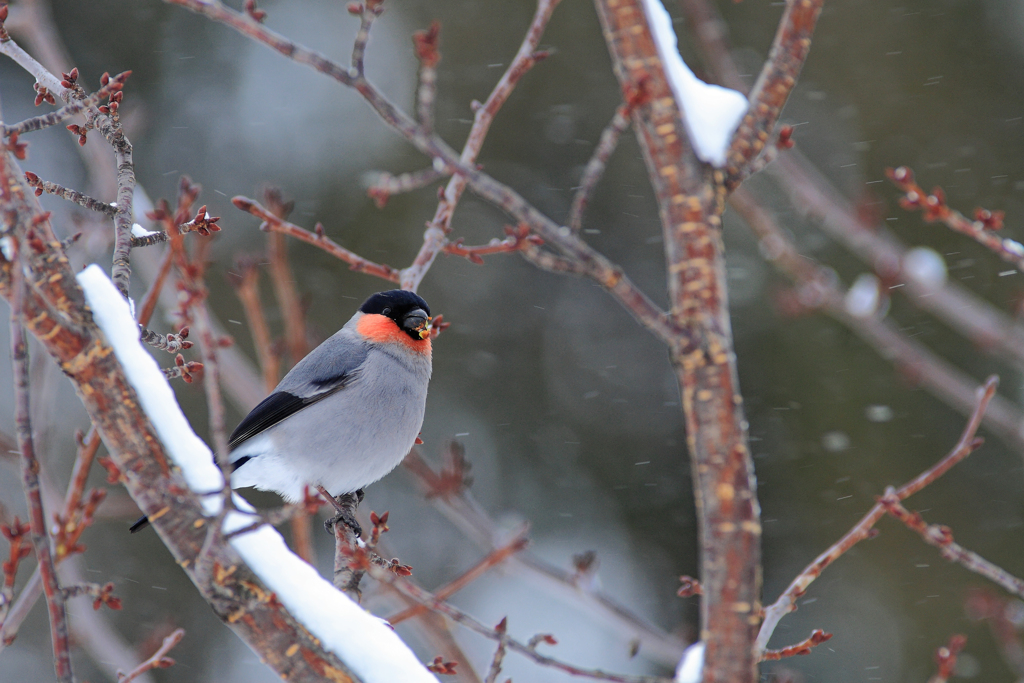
point(394, 304)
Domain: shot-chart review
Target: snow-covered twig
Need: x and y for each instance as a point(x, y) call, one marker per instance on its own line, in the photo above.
point(115, 84)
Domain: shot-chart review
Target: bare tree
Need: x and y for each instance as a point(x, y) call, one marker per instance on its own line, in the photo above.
point(305, 630)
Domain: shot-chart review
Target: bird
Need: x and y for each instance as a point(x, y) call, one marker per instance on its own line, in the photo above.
point(348, 413)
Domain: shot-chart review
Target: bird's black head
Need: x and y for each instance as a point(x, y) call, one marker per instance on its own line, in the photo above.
point(409, 311)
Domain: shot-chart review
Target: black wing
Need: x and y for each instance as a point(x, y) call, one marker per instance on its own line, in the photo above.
point(329, 368)
point(268, 413)
point(282, 404)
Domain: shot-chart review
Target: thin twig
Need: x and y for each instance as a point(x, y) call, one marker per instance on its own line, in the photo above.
point(499, 653)
point(30, 476)
point(272, 222)
point(384, 185)
point(495, 557)
point(35, 123)
point(171, 343)
point(816, 638)
point(370, 10)
point(526, 57)
point(598, 161)
point(942, 538)
point(425, 598)
point(75, 196)
point(945, 658)
point(518, 239)
point(247, 288)
point(426, 44)
point(934, 207)
point(967, 444)
point(773, 86)
point(159, 660)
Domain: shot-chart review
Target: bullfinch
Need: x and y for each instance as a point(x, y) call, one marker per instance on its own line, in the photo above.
point(347, 413)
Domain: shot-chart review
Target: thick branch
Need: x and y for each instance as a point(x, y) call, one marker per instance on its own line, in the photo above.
point(690, 197)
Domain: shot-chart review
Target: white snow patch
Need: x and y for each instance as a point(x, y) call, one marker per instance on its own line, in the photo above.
point(863, 297)
point(711, 113)
point(926, 267)
point(1014, 247)
point(691, 666)
point(360, 639)
point(139, 231)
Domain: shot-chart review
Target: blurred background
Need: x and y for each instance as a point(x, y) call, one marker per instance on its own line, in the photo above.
point(568, 410)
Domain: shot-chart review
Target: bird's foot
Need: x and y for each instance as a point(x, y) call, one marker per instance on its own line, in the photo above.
point(346, 505)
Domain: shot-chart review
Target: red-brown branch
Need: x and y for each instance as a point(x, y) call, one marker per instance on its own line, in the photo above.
point(816, 638)
point(945, 658)
point(934, 208)
point(773, 86)
point(495, 557)
point(598, 161)
point(430, 601)
point(159, 660)
point(55, 602)
point(115, 84)
point(864, 529)
point(942, 538)
point(247, 288)
point(355, 262)
point(435, 238)
point(518, 239)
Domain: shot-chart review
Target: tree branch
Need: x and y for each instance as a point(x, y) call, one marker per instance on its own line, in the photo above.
point(55, 600)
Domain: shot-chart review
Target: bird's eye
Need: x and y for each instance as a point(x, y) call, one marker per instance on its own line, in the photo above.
point(386, 311)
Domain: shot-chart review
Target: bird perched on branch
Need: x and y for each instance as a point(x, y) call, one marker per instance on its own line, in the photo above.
point(347, 413)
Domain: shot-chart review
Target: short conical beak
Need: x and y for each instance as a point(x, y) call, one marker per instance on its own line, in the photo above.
point(417, 320)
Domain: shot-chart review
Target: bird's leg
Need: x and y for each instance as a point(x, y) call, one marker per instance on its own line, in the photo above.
point(346, 505)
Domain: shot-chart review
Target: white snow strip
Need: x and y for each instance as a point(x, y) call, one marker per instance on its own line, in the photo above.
point(361, 640)
point(711, 113)
point(691, 666)
point(139, 231)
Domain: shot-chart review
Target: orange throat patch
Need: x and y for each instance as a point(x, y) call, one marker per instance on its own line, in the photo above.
point(384, 330)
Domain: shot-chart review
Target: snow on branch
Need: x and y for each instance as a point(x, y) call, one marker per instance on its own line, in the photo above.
point(362, 641)
point(711, 113)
